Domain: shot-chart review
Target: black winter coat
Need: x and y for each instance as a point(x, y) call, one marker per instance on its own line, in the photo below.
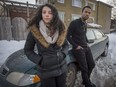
point(50, 57)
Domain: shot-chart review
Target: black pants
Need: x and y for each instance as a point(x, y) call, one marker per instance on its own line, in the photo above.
point(86, 63)
point(58, 81)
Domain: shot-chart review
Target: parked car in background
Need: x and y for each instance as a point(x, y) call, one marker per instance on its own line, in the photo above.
point(19, 71)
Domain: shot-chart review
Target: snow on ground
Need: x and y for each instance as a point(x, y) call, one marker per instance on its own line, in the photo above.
point(8, 47)
point(112, 46)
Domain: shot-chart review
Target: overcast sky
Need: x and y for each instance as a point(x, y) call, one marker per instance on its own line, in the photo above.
point(33, 1)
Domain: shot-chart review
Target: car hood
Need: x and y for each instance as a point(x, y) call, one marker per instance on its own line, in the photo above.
point(18, 62)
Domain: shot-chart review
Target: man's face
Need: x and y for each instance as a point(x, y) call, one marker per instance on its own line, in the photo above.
point(86, 13)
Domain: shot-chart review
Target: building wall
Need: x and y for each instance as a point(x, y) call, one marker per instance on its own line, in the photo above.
point(101, 13)
point(104, 16)
point(68, 10)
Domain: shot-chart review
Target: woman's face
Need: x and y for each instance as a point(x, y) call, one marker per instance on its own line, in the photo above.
point(47, 14)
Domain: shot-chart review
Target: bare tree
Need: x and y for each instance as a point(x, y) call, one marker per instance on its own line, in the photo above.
point(113, 17)
point(113, 3)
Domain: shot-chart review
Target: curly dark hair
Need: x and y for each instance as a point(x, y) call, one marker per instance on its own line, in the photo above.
point(56, 23)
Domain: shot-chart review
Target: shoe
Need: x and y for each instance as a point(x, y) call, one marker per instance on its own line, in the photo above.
point(90, 85)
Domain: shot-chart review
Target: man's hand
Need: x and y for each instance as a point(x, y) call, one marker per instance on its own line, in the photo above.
point(79, 47)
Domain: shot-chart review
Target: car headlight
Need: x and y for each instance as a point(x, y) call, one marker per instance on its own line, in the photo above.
point(22, 79)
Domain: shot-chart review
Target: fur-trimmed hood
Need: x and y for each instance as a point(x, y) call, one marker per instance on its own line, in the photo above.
point(36, 33)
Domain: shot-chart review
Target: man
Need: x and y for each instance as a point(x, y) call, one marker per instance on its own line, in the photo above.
point(77, 38)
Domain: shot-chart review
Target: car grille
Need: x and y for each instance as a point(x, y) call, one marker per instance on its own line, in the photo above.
point(4, 71)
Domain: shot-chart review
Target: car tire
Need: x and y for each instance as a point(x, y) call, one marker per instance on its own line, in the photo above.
point(105, 53)
point(35, 85)
point(71, 75)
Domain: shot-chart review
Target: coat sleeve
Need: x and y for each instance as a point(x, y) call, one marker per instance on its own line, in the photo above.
point(65, 48)
point(70, 33)
point(29, 49)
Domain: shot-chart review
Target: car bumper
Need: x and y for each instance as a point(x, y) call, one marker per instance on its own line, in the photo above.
point(4, 83)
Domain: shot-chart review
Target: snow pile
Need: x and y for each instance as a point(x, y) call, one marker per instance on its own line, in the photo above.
point(103, 74)
point(112, 46)
point(94, 25)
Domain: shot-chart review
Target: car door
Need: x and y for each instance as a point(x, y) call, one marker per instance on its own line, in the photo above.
point(93, 46)
point(101, 40)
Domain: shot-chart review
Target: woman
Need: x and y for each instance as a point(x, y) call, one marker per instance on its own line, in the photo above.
point(48, 33)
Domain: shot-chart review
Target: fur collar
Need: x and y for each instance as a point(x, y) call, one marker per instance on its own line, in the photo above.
point(36, 33)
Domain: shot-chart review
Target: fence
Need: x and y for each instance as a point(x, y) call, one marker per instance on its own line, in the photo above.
point(5, 28)
point(12, 29)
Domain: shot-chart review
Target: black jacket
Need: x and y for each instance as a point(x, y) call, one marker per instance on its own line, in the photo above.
point(77, 33)
point(50, 57)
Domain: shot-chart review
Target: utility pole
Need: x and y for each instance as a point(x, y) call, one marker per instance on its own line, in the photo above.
point(27, 11)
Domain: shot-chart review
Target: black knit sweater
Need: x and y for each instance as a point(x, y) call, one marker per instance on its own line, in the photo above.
point(77, 33)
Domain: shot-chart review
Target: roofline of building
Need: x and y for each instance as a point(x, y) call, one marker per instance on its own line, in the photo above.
point(20, 3)
point(105, 4)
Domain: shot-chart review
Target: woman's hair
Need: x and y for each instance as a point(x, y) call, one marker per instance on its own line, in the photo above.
point(56, 23)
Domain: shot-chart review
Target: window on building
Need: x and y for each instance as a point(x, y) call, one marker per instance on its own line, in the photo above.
point(41, 2)
point(75, 16)
point(60, 1)
point(91, 4)
point(77, 3)
point(61, 15)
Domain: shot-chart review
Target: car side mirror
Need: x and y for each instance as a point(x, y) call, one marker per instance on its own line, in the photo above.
point(90, 41)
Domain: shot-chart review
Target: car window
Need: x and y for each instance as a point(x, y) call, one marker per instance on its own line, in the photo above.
point(90, 35)
point(98, 34)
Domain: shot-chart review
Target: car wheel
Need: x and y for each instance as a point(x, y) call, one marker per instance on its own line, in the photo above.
point(105, 53)
point(71, 75)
